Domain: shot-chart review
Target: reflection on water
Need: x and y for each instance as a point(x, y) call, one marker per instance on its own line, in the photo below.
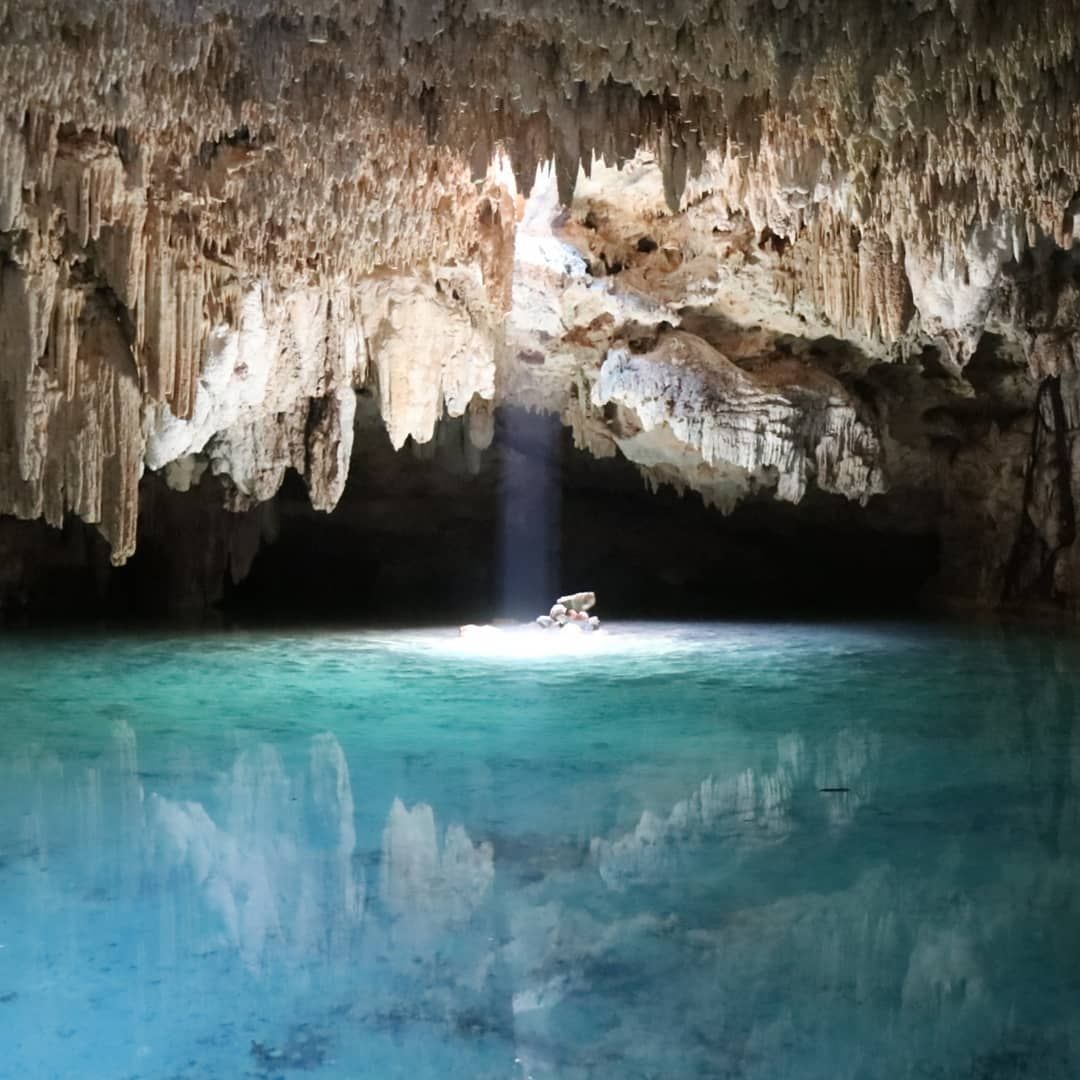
point(277, 872)
point(428, 883)
point(818, 854)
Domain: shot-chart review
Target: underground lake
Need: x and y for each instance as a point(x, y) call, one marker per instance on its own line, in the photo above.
point(763, 850)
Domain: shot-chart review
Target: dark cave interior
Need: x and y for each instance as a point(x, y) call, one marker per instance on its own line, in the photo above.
point(443, 533)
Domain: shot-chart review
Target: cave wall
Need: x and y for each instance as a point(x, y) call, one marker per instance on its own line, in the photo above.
point(814, 255)
point(191, 549)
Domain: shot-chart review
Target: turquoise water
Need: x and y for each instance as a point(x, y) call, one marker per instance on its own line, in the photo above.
point(763, 851)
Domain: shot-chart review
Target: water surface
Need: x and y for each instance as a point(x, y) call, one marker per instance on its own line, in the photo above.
point(761, 851)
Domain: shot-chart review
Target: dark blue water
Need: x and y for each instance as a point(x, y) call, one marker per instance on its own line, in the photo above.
point(730, 851)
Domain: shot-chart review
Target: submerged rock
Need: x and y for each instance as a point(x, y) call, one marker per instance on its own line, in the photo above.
point(303, 1049)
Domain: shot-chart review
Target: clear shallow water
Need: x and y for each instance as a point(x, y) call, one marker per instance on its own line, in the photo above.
point(401, 855)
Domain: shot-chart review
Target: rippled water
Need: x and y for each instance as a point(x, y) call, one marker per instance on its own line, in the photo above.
point(762, 851)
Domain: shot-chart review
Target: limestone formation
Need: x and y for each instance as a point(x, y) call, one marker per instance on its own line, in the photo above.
point(571, 612)
point(684, 407)
point(769, 248)
point(579, 601)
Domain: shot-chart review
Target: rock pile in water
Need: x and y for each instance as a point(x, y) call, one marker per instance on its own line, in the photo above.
point(571, 612)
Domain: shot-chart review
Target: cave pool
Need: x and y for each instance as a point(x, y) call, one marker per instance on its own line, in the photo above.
point(719, 850)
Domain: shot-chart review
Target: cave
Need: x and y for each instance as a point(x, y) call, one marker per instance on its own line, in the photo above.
point(539, 539)
point(442, 533)
point(423, 538)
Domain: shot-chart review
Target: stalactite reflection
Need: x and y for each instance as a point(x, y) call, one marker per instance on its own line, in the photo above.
point(716, 913)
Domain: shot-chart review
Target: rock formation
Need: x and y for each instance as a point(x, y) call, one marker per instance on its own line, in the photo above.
point(757, 249)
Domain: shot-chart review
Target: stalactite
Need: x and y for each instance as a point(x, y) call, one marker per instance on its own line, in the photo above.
point(701, 422)
point(160, 166)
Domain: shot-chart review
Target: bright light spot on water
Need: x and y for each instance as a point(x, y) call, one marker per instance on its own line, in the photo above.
point(530, 644)
point(615, 641)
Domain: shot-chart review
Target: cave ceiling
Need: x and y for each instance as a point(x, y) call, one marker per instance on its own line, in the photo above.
point(754, 247)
